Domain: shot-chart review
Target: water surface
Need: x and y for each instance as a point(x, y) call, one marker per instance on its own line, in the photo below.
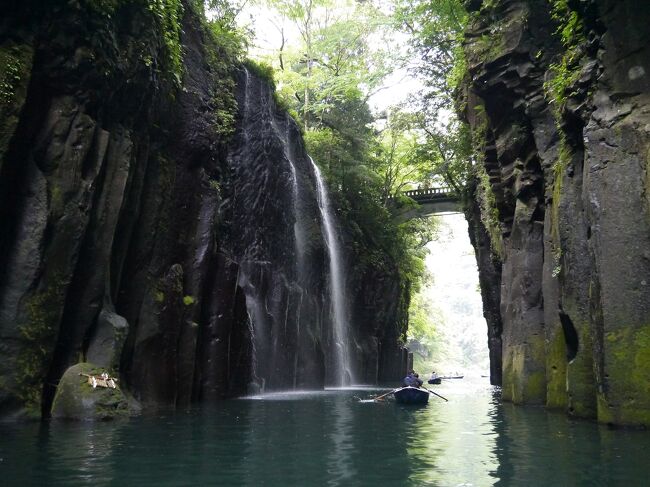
point(329, 438)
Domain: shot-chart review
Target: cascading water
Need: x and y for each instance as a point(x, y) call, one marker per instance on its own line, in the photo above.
point(299, 226)
point(275, 216)
point(258, 111)
point(344, 372)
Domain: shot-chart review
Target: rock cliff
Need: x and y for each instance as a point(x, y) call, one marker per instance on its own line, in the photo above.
point(142, 234)
point(557, 98)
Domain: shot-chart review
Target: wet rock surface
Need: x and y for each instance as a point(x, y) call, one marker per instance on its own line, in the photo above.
point(570, 187)
point(138, 237)
point(76, 399)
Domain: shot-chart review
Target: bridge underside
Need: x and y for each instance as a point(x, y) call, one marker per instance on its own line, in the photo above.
point(436, 207)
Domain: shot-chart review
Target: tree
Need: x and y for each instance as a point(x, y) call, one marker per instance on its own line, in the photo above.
point(341, 55)
point(436, 28)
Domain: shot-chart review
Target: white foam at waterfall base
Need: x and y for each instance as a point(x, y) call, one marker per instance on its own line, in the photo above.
point(344, 374)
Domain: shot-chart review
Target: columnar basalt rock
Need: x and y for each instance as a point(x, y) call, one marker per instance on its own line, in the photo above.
point(137, 236)
point(568, 176)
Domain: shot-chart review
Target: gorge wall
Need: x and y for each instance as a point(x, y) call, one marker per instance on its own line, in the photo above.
point(557, 97)
point(141, 236)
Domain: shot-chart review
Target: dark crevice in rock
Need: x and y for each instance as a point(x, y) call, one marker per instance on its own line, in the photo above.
point(570, 336)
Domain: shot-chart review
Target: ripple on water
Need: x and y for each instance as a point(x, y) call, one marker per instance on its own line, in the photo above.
point(329, 438)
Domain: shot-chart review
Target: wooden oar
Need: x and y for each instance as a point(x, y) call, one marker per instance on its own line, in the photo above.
point(388, 393)
point(430, 391)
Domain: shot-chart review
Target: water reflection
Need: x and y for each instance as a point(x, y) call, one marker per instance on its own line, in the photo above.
point(339, 461)
point(328, 438)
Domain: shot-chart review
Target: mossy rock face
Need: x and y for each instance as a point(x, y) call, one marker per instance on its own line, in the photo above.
point(524, 376)
point(625, 395)
point(556, 365)
point(77, 400)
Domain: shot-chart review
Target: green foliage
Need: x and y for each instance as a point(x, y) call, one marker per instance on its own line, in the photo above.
point(11, 71)
point(158, 47)
point(168, 15)
point(226, 47)
point(15, 70)
point(225, 12)
point(334, 62)
point(188, 300)
point(344, 53)
point(566, 72)
point(262, 70)
point(486, 198)
point(436, 30)
point(489, 210)
point(561, 86)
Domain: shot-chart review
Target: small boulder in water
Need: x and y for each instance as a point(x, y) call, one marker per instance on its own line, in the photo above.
point(76, 399)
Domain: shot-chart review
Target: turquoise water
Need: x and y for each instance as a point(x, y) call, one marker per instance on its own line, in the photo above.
point(329, 438)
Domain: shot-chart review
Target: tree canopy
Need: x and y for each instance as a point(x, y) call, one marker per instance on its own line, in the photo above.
point(330, 60)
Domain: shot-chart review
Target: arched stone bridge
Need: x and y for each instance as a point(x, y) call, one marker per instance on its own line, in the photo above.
point(434, 200)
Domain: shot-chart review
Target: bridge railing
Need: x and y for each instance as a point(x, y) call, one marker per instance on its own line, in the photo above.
point(441, 191)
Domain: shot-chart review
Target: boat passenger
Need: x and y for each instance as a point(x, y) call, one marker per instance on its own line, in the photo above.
point(416, 382)
point(408, 380)
point(433, 375)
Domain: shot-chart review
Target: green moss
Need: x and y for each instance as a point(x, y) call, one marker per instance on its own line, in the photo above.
point(38, 335)
point(261, 70)
point(535, 388)
point(490, 47)
point(512, 368)
point(76, 399)
point(494, 43)
point(489, 211)
point(626, 395)
point(215, 185)
point(556, 368)
point(524, 376)
point(559, 170)
point(486, 198)
point(188, 300)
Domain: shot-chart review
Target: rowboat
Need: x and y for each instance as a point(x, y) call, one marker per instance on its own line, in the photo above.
point(411, 395)
point(437, 380)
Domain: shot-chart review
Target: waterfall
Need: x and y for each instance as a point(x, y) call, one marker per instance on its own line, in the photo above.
point(273, 207)
point(299, 226)
point(274, 141)
point(337, 286)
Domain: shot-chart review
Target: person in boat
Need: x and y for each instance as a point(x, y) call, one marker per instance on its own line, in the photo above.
point(409, 380)
point(434, 376)
point(416, 382)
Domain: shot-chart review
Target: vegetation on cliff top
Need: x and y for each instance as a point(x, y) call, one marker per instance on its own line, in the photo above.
point(326, 76)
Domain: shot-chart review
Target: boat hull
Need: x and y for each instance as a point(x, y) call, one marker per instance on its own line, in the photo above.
point(437, 380)
point(411, 395)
